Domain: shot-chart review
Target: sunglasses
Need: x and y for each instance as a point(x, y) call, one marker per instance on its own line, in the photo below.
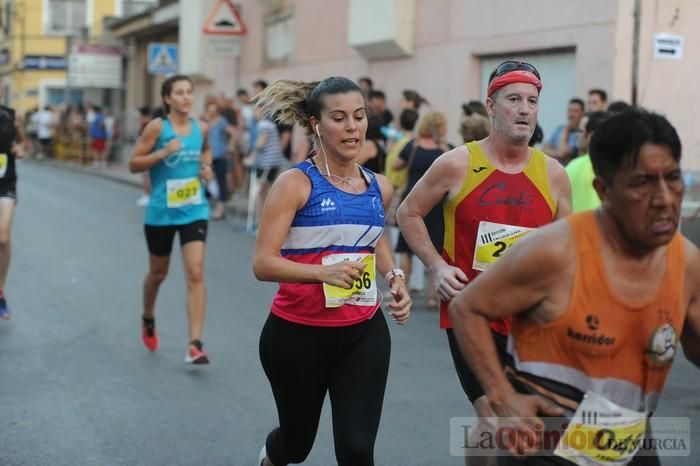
point(508, 66)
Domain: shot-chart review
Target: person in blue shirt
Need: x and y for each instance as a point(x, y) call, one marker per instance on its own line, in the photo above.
point(563, 145)
point(175, 152)
point(98, 137)
point(222, 141)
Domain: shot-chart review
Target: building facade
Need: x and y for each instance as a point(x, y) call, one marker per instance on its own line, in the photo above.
point(636, 50)
point(34, 40)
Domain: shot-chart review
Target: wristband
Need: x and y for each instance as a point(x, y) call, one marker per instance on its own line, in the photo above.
point(392, 274)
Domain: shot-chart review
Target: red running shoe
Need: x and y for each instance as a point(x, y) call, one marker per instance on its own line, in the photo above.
point(149, 335)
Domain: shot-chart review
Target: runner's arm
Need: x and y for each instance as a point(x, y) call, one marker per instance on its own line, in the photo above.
point(20, 146)
point(519, 281)
point(446, 173)
point(205, 170)
point(206, 156)
point(690, 339)
point(385, 257)
point(400, 307)
point(142, 158)
point(287, 195)
point(561, 187)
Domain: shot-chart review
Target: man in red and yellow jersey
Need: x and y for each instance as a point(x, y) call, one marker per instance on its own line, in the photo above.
point(494, 191)
point(599, 303)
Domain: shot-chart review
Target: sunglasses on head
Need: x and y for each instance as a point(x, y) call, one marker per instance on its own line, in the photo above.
point(508, 66)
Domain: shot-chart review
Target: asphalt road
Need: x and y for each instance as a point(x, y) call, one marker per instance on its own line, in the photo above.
point(78, 388)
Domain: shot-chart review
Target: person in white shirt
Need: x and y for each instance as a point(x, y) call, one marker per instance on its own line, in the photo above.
point(45, 122)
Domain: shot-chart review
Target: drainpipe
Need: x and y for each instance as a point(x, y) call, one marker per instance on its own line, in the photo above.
point(635, 50)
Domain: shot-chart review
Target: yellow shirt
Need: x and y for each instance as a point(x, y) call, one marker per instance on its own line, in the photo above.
point(397, 178)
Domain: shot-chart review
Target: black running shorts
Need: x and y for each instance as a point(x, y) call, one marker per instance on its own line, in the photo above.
point(8, 189)
point(160, 237)
point(467, 378)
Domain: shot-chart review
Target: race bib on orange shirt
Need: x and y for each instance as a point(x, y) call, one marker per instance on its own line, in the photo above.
point(602, 433)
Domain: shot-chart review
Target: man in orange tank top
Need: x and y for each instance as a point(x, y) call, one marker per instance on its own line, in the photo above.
point(493, 192)
point(598, 311)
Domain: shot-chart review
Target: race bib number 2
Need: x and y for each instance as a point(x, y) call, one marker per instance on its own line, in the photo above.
point(492, 241)
point(602, 433)
point(185, 191)
point(363, 291)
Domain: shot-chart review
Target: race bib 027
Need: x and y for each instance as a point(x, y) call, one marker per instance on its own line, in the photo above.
point(492, 241)
point(184, 191)
point(363, 291)
point(602, 433)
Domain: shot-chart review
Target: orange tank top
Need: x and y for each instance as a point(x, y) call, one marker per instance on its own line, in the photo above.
point(490, 212)
point(601, 343)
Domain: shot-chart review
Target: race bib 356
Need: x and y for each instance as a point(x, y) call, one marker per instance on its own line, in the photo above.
point(363, 291)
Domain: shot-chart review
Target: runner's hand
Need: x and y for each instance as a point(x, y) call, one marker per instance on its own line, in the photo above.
point(400, 308)
point(173, 146)
point(519, 414)
point(18, 150)
point(206, 173)
point(343, 274)
point(449, 281)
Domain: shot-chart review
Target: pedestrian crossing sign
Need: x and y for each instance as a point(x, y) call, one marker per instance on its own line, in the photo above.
point(162, 58)
point(224, 20)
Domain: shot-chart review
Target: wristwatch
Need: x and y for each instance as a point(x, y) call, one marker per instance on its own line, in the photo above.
point(393, 273)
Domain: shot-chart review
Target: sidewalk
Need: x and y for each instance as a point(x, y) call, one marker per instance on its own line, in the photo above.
point(237, 206)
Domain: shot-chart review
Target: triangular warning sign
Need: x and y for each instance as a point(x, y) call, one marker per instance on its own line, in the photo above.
point(225, 20)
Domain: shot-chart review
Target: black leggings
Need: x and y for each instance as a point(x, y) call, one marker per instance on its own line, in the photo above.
point(302, 363)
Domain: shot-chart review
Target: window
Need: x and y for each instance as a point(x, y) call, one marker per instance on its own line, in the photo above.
point(279, 37)
point(65, 16)
point(57, 96)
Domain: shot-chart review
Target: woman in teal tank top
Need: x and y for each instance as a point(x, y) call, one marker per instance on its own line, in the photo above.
point(175, 152)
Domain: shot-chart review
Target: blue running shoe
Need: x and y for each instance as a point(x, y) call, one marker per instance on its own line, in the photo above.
point(4, 311)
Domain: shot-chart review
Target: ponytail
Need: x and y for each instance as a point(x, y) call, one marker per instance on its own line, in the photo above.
point(286, 101)
point(294, 102)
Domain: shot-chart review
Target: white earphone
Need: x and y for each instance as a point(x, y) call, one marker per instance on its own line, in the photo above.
point(317, 131)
